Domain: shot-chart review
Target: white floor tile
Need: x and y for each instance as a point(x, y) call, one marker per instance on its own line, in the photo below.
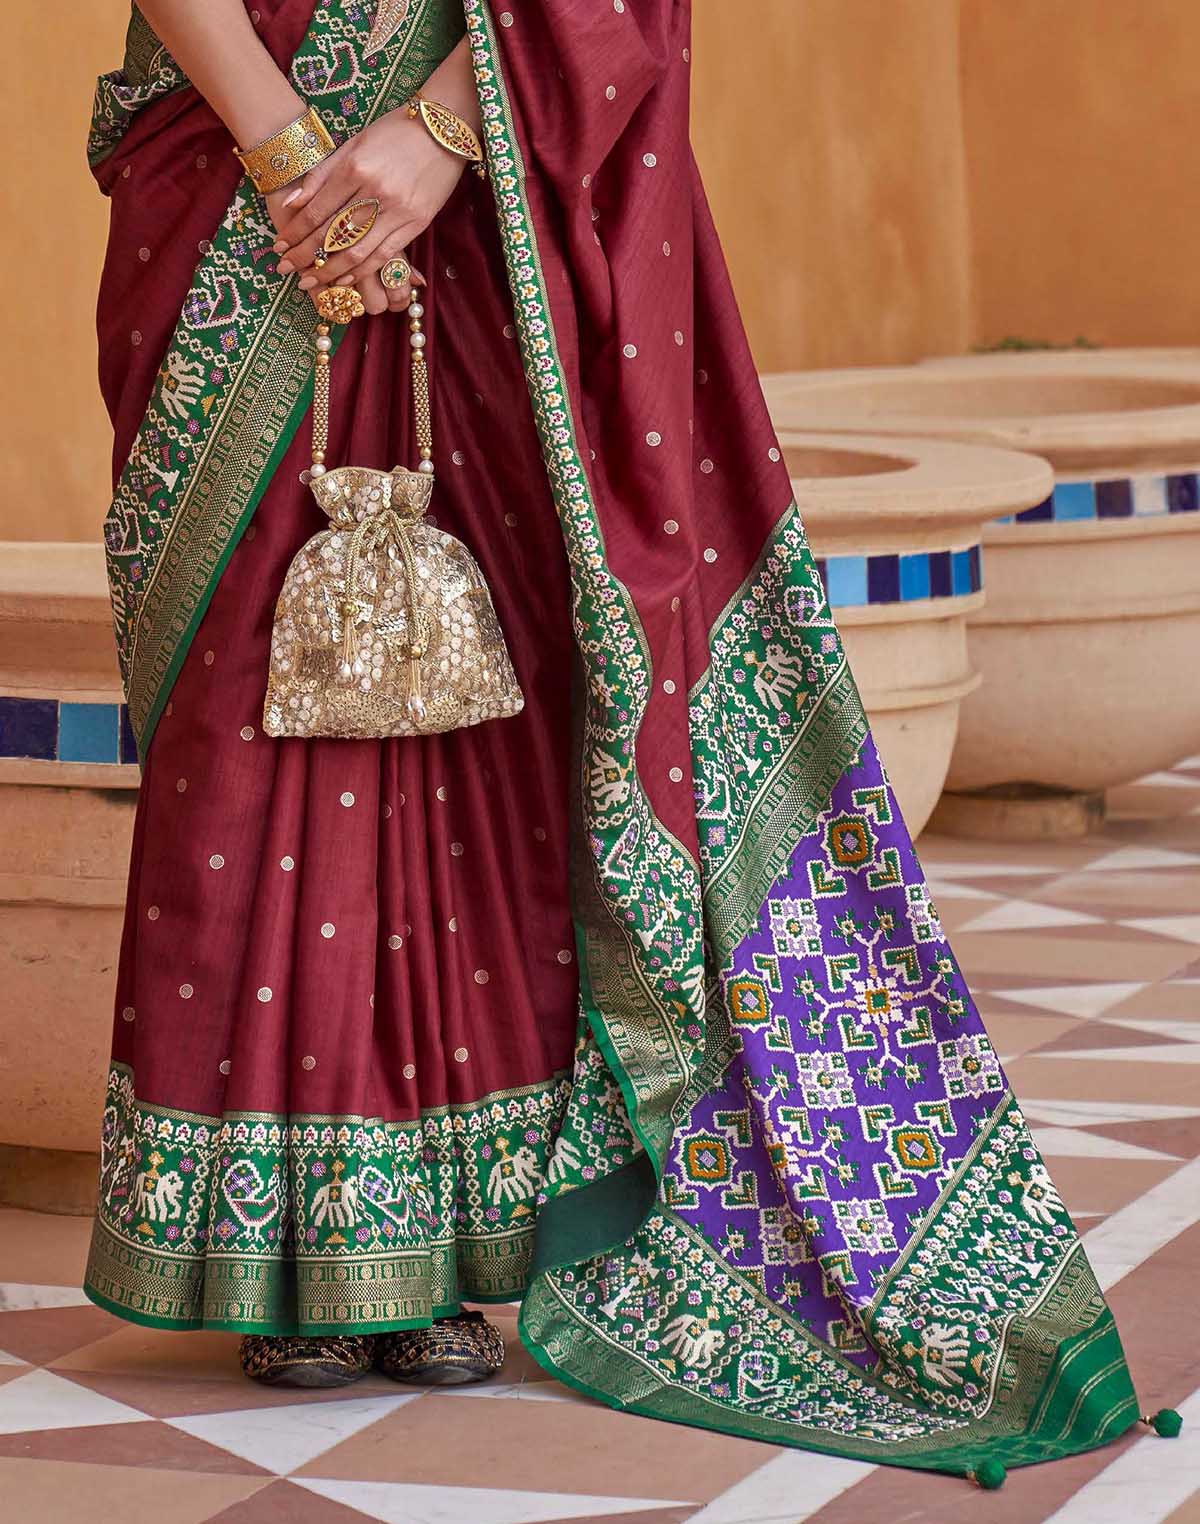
point(284, 1438)
point(789, 1488)
point(1028, 915)
point(15, 1297)
point(1070, 1143)
point(1072, 999)
point(1128, 1237)
point(1180, 928)
point(1067, 1113)
point(42, 1400)
point(410, 1503)
point(1135, 859)
point(1147, 1483)
point(1168, 1053)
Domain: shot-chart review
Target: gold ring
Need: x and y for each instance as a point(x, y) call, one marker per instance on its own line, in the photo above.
point(346, 230)
point(396, 273)
point(339, 304)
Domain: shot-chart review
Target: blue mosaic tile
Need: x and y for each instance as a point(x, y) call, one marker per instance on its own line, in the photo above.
point(854, 581)
point(29, 728)
point(50, 730)
point(88, 733)
point(1076, 500)
point(914, 577)
point(128, 741)
point(1183, 494)
point(1121, 498)
point(1114, 500)
point(846, 580)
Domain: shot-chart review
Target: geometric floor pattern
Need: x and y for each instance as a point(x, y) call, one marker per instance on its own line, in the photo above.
point(1085, 960)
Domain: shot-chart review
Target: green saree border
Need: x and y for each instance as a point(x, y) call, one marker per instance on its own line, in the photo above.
point(265, 1223)
point(234, 385)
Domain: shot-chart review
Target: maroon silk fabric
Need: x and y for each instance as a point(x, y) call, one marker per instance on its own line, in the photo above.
point(441, 864)
point(657, 366)
point(650, 337)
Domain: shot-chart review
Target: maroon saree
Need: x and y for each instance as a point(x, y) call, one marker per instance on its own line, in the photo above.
point(635, 1007)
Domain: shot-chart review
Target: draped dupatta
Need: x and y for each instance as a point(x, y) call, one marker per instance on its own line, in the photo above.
point(793, 1197)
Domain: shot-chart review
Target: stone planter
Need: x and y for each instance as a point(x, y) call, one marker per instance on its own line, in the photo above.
point(68, 784)
point(896, 526)
point(1093, 594)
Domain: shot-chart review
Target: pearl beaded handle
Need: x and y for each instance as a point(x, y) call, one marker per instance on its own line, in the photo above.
point(342, 304)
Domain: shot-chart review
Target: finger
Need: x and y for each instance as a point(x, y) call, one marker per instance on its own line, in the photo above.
point(375, 298)
point(399, 298)
point(303, 234)
point(302, 192)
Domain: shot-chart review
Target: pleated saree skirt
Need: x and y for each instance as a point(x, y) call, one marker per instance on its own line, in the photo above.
point(346, 1002)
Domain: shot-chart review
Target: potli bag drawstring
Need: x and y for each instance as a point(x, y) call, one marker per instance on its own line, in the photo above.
point(378, 530)
point(385, 626)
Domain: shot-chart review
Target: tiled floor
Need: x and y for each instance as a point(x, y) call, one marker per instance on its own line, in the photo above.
point(1085, 958)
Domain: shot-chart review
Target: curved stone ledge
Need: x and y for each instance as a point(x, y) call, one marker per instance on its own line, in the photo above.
point(1093, 593)
point(67, 796)
point(896, 525)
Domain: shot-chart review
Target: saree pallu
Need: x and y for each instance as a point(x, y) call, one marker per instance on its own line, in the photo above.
point(784, 1190)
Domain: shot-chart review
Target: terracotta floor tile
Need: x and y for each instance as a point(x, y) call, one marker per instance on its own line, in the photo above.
point(154, 1445)
point(1103, 1033)
point(163, 1398)
point(1172, 1135)
point(1030, 1495)
point(76, 1493)
point(281, 1503)
point(10, 1372)
point(1187, 1513)
point(1162, 889)
point(653, 1516)
point(1174, 1002)
point(135, 1351)
point(1018, 1030)
point(42, 1249)
point(1103, 1185)
point(575, 1451)
point(47, 1333)
point(1057, 957)
point(1097, 1079)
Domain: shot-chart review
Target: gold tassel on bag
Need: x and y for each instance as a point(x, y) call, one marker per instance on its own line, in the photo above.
point(384, 626)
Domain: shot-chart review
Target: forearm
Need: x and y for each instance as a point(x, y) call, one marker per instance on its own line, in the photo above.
point(453, 84)
point(218, 49)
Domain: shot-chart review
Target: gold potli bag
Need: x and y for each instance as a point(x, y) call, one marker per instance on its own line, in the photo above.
point(385, 626)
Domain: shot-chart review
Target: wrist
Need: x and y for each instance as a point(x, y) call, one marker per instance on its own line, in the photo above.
point(255, 118)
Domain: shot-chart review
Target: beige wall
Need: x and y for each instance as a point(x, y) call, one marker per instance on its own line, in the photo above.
point(830, 137)
point(891, 178)
point(52, 425)
point(1084, 168)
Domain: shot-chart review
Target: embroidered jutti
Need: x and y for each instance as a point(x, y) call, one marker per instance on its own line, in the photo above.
point(637, 1006)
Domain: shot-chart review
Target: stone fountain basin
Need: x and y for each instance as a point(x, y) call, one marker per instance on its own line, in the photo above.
point(1088, 413)
point(872, 505)
point(1093, 601)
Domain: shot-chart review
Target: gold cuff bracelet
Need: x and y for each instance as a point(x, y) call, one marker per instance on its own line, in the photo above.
point(284, 157)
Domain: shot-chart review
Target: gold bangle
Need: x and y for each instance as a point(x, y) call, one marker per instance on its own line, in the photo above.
point(288, 154)
point(448, 129)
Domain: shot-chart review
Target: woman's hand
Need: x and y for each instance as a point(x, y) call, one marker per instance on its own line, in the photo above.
point(396, 162)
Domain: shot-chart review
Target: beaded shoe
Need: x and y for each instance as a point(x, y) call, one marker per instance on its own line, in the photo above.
point(453, 1352)
point(278, 1360)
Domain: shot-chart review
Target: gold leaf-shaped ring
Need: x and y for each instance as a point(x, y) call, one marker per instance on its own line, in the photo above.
point(350, 225)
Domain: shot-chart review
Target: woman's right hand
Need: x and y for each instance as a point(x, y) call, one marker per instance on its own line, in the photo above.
point(376, 297)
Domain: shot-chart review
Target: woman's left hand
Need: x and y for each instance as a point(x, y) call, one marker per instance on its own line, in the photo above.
point(396, 162)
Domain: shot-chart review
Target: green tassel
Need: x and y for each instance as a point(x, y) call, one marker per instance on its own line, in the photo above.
point(989, 1475)
point(1166, 1422)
